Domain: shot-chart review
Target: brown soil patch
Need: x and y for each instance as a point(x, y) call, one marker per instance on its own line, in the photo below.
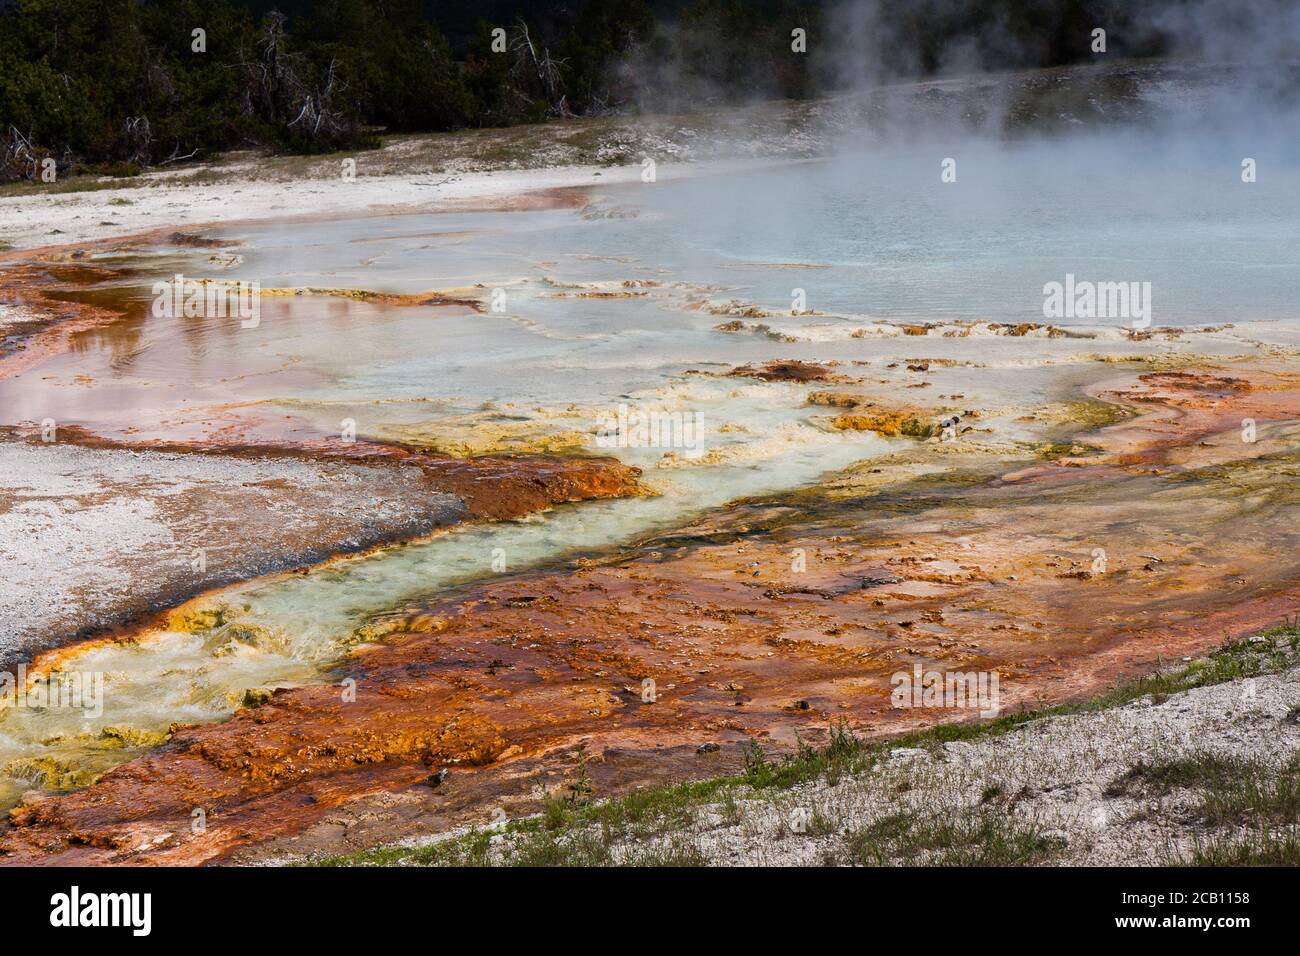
point(785, 371)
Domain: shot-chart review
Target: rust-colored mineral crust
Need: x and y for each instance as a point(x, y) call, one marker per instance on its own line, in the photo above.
point(773, 619)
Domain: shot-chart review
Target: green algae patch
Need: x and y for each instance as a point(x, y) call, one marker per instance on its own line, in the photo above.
point(257, 696)
point(886, 424)
point(239, 637)
point(1276, 477)
point(51, 772)
point(195, 621)
point(838, 399)
point(1055, 450)
point(1168, 361)
point(1089, 415)
point(123, 737)
point(374, 630)
point(467, 439)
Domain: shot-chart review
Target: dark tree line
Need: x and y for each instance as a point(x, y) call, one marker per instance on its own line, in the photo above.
point(121, 84)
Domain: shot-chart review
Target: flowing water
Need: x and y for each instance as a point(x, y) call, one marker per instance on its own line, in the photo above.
point(614, 303)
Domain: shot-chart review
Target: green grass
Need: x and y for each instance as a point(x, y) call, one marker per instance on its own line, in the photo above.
point(651, 811)
point(957, 836)
point(1263, 795)
point(582, 832)
point(532, 843)
point(1163, 777)
point(72, 184)
point(1249, 807)
point(1232, 791)
point(1254, 848)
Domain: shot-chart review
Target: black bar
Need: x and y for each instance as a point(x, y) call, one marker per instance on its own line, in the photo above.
point(333, 906)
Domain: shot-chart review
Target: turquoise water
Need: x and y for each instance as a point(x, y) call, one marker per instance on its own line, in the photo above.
point(894, 243)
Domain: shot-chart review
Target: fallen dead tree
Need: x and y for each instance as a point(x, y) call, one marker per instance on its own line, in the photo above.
point(20, 158)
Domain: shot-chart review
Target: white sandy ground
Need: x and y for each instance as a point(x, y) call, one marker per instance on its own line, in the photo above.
point(159, 201)
point(1050, 773)
point(87, 535)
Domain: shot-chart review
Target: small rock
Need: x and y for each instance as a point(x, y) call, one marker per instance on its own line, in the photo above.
point(907, 753)
point(257, 696)
point(437, 778)
point(708, 748)
point(1055, 839)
